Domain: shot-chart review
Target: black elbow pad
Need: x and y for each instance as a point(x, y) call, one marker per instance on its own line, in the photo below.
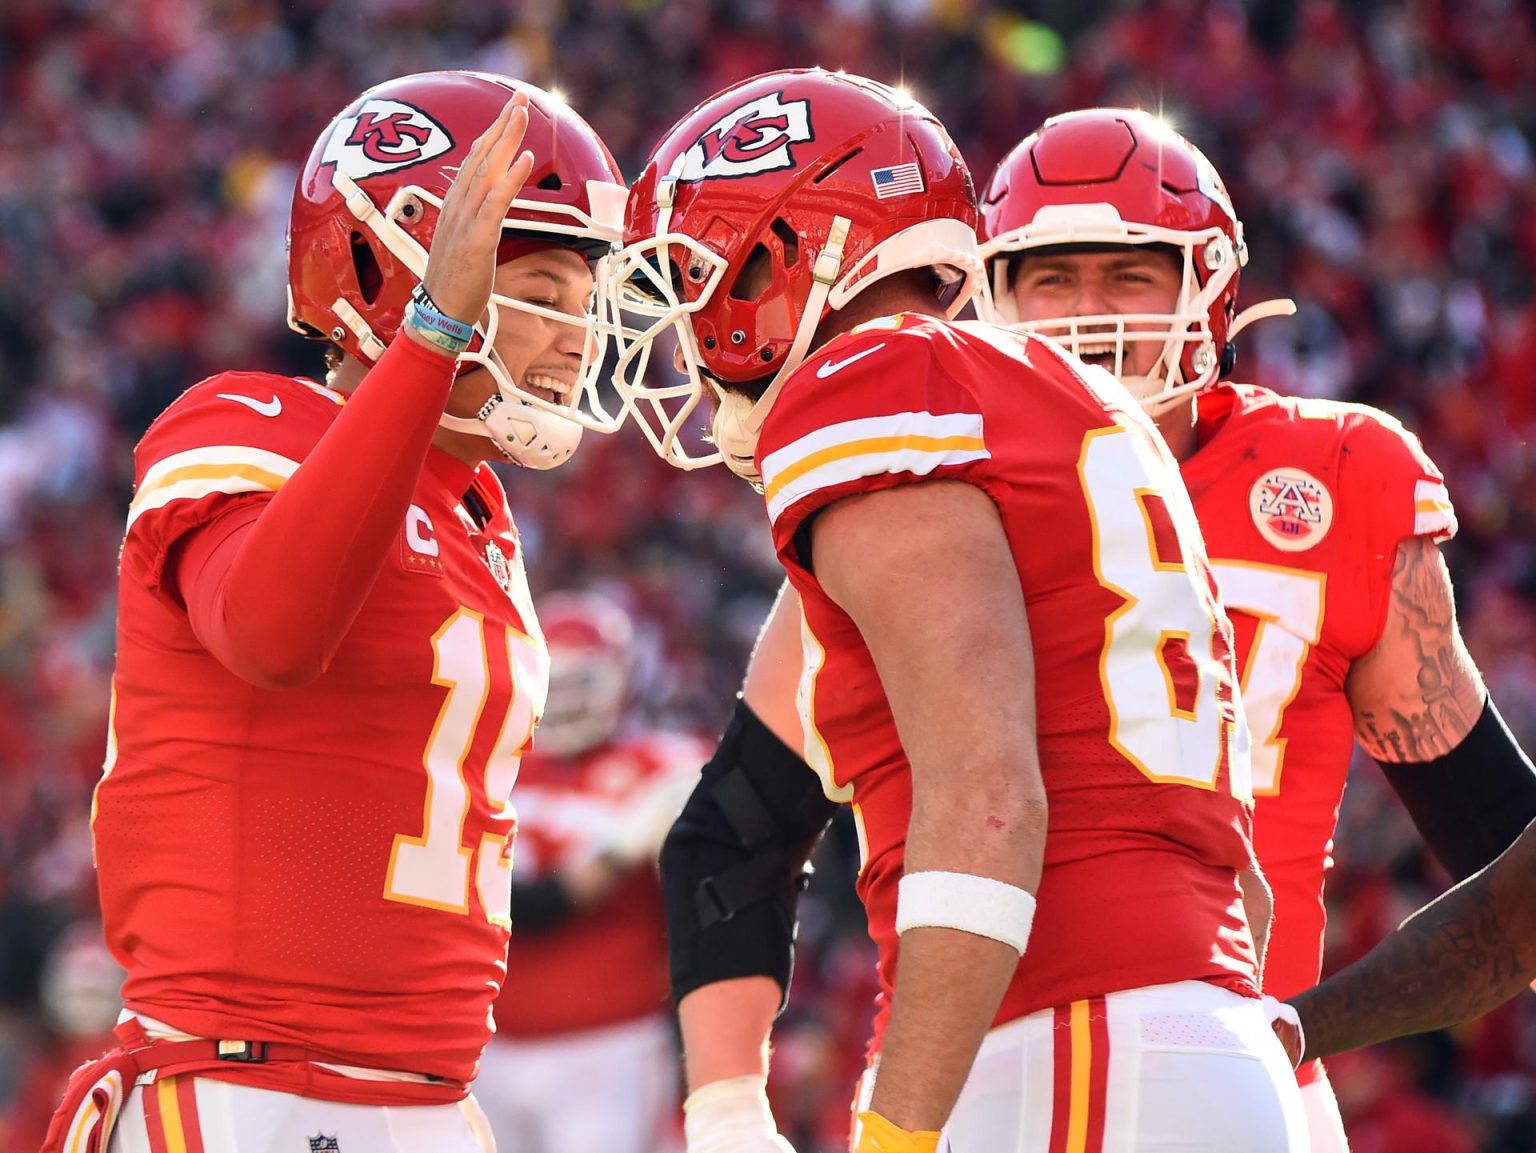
point(1472, 803)
point(540, 905)
point(734, 864)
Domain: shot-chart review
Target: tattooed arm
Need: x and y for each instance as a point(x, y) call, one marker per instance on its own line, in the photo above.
point(1460, 957)
point(1421, 711)
point(1417, 694)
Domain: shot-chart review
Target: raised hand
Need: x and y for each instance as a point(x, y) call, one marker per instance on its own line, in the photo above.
point(462, 263)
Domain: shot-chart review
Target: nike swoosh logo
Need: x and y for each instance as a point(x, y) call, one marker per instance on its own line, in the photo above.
point(265, 407)
point(832, 366)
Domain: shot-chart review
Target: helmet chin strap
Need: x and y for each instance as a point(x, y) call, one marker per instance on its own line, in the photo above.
point(738, 418)
point(1281, 306)
point(1153, 395)
point(525, 435)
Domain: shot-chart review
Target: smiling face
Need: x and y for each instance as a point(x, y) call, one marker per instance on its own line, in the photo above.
point(1136, 280)
point(541, 354)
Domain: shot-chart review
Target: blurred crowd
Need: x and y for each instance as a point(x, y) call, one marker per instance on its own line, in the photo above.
point(1380, 154)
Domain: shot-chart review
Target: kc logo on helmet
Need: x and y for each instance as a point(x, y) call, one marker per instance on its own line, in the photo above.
point(752, 138)
point(385, 135)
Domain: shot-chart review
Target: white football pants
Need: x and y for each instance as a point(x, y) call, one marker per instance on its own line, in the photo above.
point(1182, 1068)
point(1323, 1120)
point(612, 1089)
point(196, 1115)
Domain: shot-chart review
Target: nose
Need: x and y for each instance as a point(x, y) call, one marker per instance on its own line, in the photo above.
point(573, 338)
point(1091, 299)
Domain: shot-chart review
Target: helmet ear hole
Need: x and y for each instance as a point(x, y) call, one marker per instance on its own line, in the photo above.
point(789, 239)
point(757, 270)
point(365, 265)
point(755, 275)
point(1228, 360)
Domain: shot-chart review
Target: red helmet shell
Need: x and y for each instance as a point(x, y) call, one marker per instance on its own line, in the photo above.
point(1158, 183)
point(410, 135)
point(590, 640)
point(765, 166)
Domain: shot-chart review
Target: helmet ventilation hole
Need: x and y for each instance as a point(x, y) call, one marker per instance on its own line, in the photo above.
point(835, 165)
point(788, 239)
point(755, 277)
point(551, 183)
point(370, 278)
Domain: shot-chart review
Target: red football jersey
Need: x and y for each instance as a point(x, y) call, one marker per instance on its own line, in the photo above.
point(1303, 504)
point(329, 865)
point(607, 964)
point(1143, 755)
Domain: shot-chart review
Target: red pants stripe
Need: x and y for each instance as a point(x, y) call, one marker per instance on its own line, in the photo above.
point(1079, 1076)
point(170, 1115)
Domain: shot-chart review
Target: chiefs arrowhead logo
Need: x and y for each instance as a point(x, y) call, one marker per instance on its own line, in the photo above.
point(751, 138)
point(385, 135)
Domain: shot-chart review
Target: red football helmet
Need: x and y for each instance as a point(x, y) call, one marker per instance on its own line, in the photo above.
point(366, 207)
point(763, 209)
point(589, 639)
point(1119, 176)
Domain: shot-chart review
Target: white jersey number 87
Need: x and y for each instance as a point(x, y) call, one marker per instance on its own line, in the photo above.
point(1166, 667)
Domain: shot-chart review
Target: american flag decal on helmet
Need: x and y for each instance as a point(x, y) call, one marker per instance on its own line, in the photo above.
point(898, 180)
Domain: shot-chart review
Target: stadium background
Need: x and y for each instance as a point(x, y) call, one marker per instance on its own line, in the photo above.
point(1379, 153)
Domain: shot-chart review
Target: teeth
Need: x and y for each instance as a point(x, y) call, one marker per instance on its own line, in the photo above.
point(551, 383)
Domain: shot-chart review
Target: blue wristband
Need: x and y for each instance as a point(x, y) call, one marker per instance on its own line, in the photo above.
point(424, 313)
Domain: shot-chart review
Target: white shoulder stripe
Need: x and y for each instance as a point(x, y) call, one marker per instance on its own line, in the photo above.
point(201, 472)
point(913, 442)
point(1433, 513)
point(330, 394)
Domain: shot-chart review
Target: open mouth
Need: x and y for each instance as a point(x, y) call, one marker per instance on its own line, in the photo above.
point(1099, 354)
point(546, 386)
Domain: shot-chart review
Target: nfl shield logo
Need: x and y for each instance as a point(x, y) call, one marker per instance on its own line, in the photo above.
point(496, 561)
point(323, 1144)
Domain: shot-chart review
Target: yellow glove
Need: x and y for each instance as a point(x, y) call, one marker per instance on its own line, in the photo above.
point(877, 1135)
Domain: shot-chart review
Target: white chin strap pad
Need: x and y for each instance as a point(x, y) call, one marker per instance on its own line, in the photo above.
point(525, 435)
point(733, 434)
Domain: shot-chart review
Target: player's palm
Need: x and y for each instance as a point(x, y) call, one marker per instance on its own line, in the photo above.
point(462, 263)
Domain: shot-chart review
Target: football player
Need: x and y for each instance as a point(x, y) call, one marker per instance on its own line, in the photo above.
point(1006, 625)
point(328, 664)
point(584, 1056)
point(1114, 236)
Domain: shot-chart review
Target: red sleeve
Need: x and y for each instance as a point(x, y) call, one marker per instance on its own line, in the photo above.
point(272, 586)
point(871, 410)
point(1402, 495)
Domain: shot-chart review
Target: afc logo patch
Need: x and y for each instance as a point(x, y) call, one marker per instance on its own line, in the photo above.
point(1292, 509)
point(752, 138)
point(384, 135)
point(323, 1144)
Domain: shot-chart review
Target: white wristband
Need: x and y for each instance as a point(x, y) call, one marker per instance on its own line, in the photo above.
point(981, 905)
point(732, 1116)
